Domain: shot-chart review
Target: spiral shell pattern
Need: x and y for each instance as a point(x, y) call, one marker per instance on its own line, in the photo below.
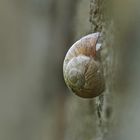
point(82, 72)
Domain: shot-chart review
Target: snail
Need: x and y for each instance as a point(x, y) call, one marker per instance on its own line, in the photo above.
point(82, 70)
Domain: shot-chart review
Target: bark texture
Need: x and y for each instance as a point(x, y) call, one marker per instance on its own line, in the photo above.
point(92, 119)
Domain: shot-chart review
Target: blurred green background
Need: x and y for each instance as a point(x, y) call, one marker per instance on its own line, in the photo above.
point(34, 38)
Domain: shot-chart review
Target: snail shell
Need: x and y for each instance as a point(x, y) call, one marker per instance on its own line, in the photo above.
point(82, 71)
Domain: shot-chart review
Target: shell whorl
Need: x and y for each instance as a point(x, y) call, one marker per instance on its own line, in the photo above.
point(82, 73)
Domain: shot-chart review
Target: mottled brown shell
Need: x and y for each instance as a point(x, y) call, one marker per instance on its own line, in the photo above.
point(82, 72)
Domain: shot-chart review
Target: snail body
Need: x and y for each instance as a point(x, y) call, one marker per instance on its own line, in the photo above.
point(82, 71)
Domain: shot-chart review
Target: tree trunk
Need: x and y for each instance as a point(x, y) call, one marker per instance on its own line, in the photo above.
point(35, 103)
